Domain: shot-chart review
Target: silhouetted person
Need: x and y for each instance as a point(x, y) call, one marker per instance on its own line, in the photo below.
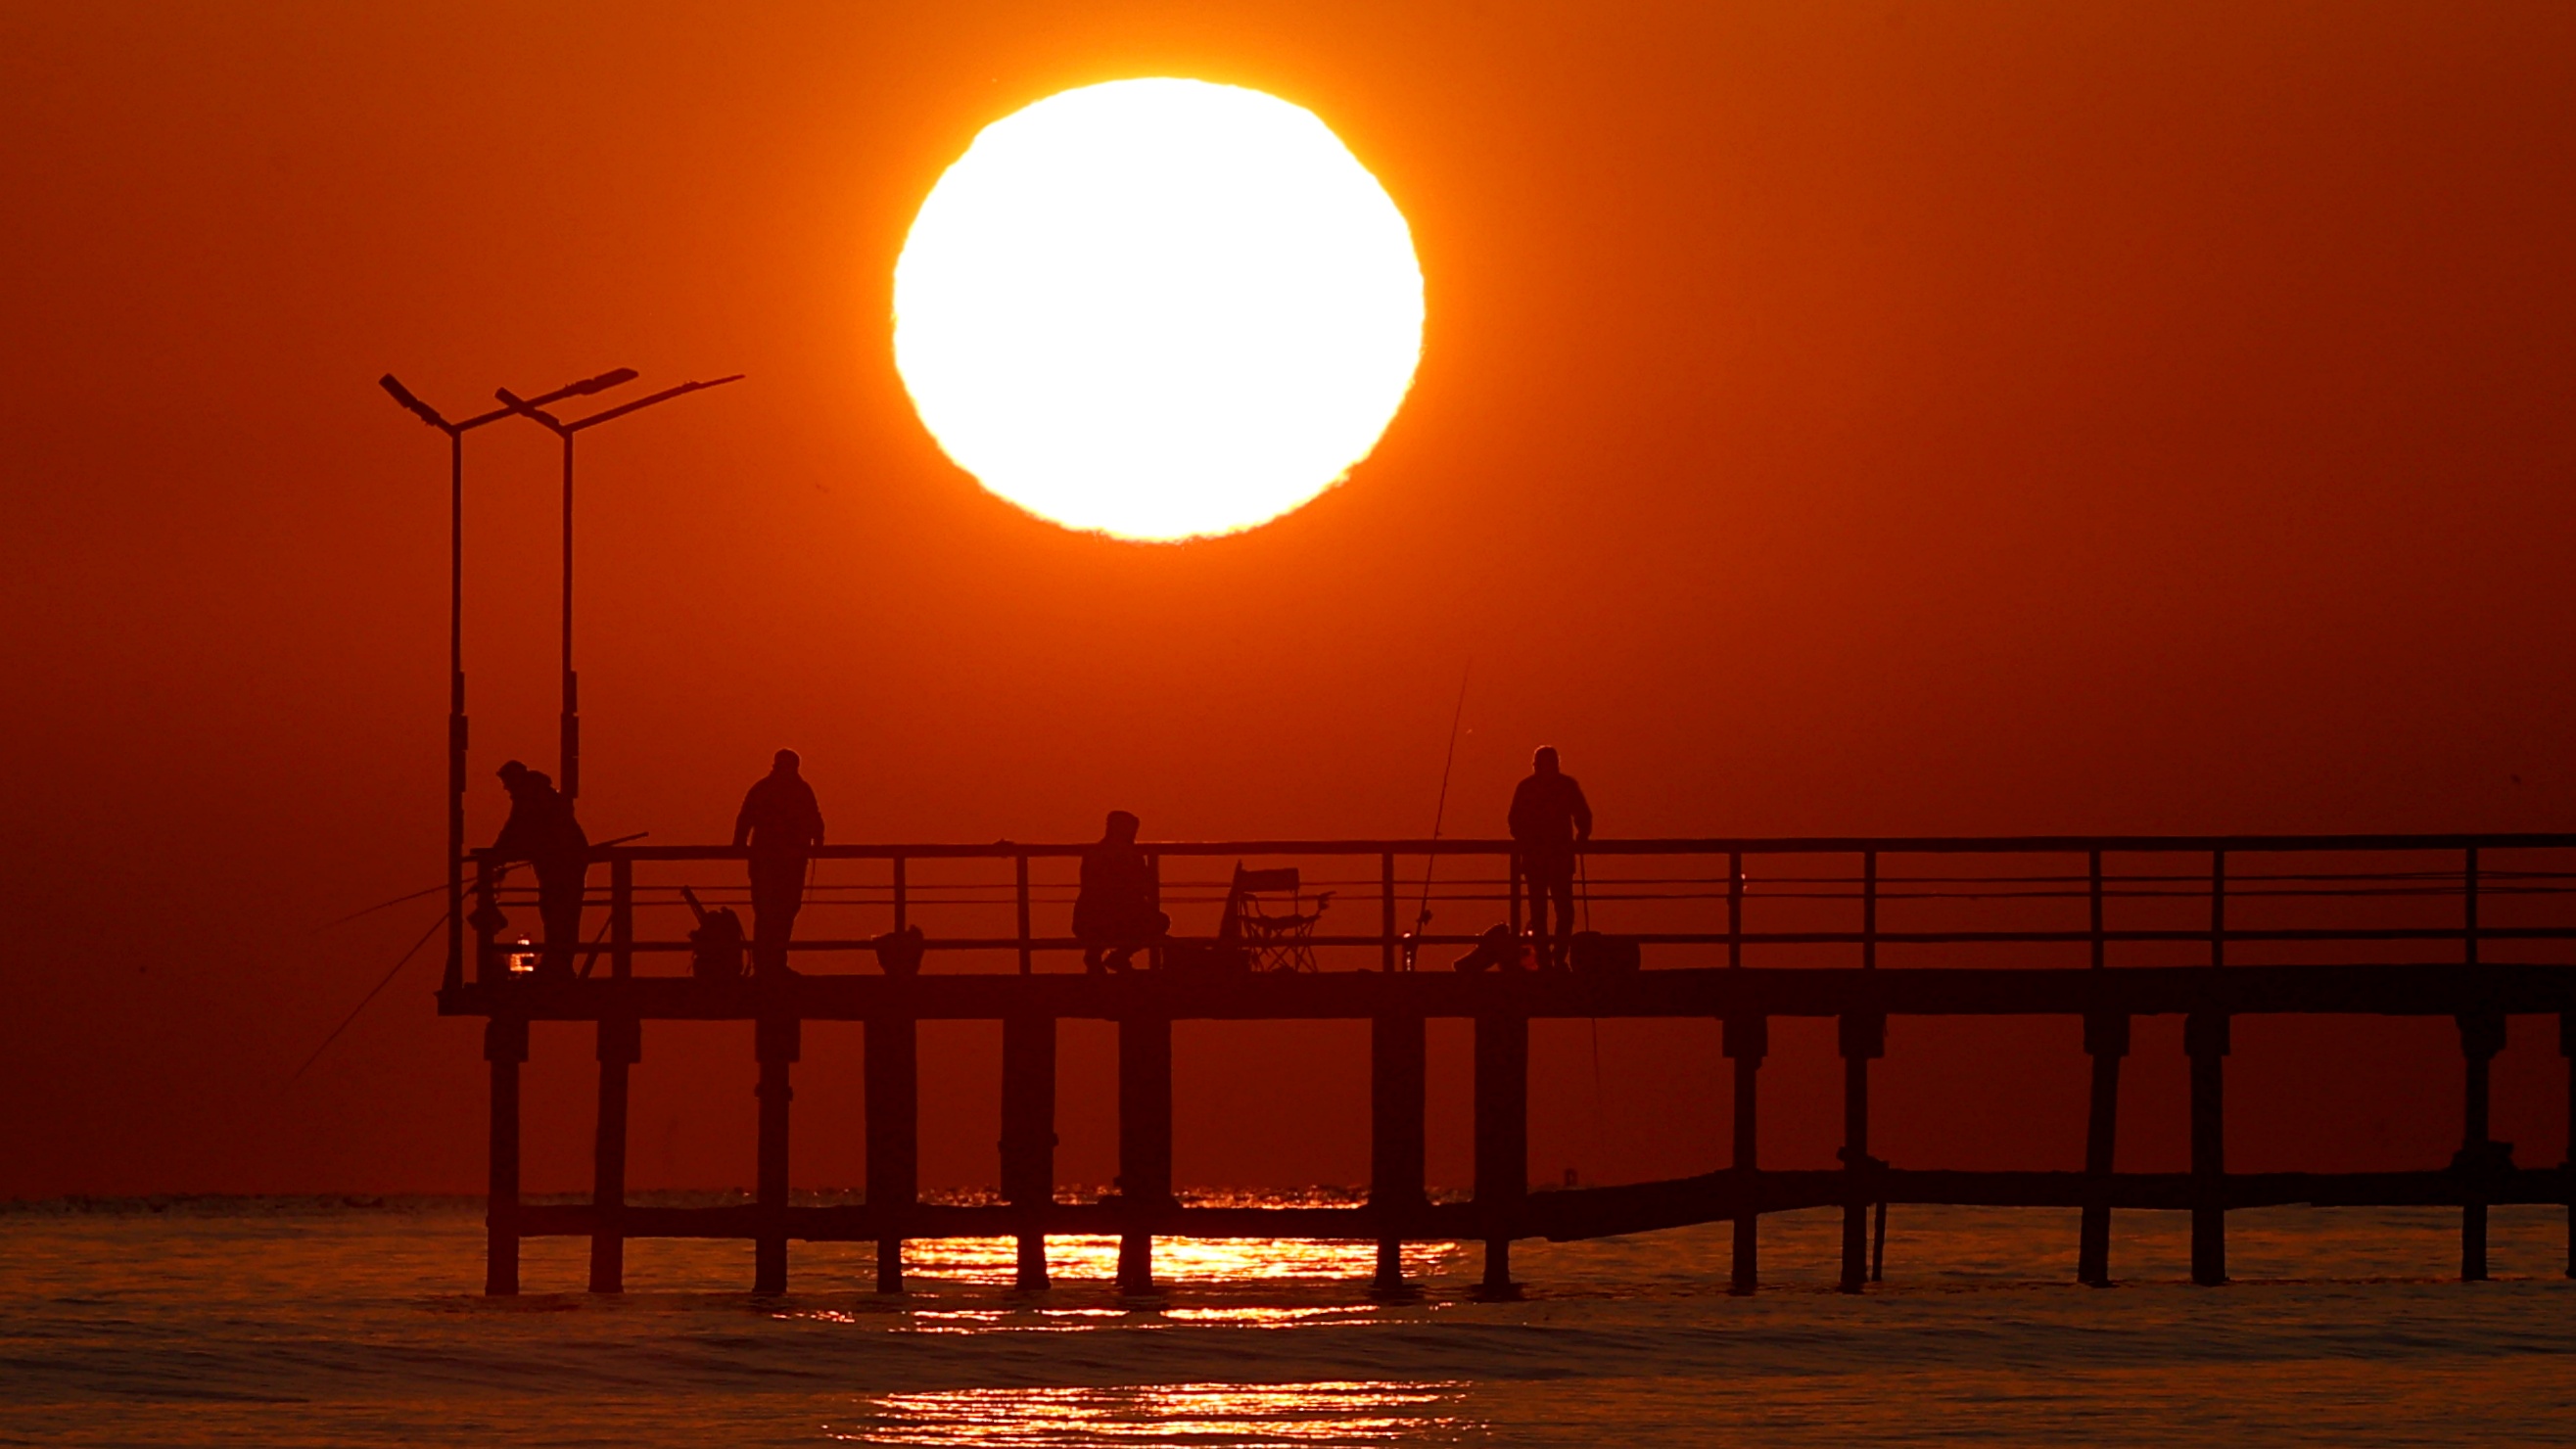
point(1119, 910)
point(781, 823)
point(1549, 817)
point(541, 830)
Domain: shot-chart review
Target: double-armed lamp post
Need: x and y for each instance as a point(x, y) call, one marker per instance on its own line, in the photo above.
point(512, 406)
point(534, 409)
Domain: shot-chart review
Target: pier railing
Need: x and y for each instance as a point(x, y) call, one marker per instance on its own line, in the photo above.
point(2104, 900)
point(2098, 930)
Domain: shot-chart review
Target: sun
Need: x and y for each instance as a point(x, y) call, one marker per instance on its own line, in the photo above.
point(1158, 309)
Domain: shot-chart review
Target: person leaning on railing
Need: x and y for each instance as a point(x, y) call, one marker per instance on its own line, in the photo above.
point(541, 830)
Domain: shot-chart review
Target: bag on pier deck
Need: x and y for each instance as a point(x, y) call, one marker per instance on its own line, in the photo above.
point(715, 947)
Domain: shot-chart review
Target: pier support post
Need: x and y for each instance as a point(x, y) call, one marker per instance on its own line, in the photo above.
point(1863, 1039)
point(1748, 1041)
point(1502, 1143)
point(2567, 1165)
point(2481, 1037)
point(505, 1045)
point(2205, 1038)
point(1144, 1139)
point(777, 1042)
point(1397, 1052)
point(2106, 1040)
point(621, 1045)
point(894, 1138)
point(1028, 1135)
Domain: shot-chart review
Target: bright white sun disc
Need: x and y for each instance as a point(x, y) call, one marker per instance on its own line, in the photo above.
point(1158, 309)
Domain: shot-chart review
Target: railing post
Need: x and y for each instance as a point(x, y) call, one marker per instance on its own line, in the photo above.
point(894, 1135)
point(1735, 908)
point(903, 897)
point(2481, 1037)
point(621, 919)
point(776, 1042)
point(1863, 1038)
point(2218, 908)
point(1515, 893)
point(1028, 1135)
point(505, 1045)
point(621, 1045)
point(1027, 954)
point(2469, 907)
point(1386, 912)
point(2106, 1040)
point(2205, 1038)
point(1869, 910)
point(1144, 1136)
point(1747, 1042)
point(1502, 1138)
point(1396, 1071)
point(2101, 941)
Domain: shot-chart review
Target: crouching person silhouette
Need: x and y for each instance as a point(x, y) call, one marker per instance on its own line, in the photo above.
point(1119, 910)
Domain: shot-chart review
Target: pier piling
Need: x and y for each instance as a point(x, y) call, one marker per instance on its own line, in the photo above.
point(1397, 1056)
point(621, 1045)
point(505, 1046)
point(1502, 1143)
point(2481, 1037)
point(1028, 1136)
point(777, 1043)
point(894, 1136)
point(1747, 1042)
point(2205, 1040)
point(1863, 1038)
point(1144, 1136)
point(2106, 1041)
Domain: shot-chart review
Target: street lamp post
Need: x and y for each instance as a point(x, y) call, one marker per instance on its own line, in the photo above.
point(456, 729)
point(534, 410)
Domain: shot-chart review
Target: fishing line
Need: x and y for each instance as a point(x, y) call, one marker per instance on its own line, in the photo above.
point(362, 1002)
point(1439, 813)
point(442, 885)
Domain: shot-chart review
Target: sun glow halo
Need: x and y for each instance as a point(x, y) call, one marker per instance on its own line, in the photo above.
point(1158, 309)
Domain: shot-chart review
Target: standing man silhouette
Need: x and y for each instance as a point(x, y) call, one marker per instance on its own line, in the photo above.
point(541, 830)
point(781, 822)
point(1549, 818)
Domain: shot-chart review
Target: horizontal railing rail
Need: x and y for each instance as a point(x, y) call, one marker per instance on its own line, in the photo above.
point(2300, 890)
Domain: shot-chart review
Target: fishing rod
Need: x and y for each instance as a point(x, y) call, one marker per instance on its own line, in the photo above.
point(442, 885)
point(1439, 814)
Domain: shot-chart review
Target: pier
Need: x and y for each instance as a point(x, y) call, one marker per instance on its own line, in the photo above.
point(2097, 931)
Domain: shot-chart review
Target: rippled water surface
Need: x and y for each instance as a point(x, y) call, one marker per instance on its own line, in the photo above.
point(278, 1322)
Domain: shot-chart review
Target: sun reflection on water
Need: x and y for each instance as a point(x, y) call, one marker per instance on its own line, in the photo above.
point(1176, 1260)
point(1292, 1416)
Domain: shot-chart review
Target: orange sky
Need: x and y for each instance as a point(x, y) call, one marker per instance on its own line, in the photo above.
point(1883, 417)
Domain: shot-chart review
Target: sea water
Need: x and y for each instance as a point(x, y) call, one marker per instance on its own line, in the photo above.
point(330, 1322)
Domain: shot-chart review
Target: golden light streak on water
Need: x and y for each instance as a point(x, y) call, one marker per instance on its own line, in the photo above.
point(1176, 1260)
point(1292, 1416)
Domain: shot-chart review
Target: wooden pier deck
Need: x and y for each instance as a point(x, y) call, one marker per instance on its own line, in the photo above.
point(2457, 926)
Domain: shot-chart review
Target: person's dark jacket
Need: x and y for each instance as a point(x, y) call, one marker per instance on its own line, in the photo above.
point(1549, 814)
point(779, 815)
point(1119, 900)
point(541, 826)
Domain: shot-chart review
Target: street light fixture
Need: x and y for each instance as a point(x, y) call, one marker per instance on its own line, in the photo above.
point(533, 409)
point(456, 432)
